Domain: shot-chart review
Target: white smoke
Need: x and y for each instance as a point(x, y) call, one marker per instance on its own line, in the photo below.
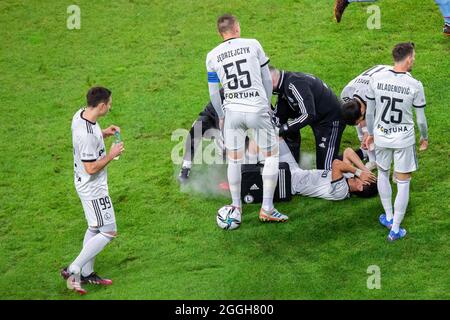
point(206, 179)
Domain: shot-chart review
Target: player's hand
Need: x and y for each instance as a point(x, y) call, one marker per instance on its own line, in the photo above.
point(363, 145)
point(221, 122)
point(423, 144)
point(116, 150)
point(368, 143)
point(367, 177)
point(110, 131)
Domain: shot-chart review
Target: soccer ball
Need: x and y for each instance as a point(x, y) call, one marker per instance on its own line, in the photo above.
point(228, 218)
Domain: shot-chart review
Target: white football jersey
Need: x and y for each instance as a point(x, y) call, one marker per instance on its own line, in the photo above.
point(88, 146)
point(395, 94)
point(318, 183)
point(358, 86)
point(237, 63)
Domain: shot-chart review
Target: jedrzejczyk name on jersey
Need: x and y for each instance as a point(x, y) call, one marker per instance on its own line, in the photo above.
point(88, 146)
point(358, 86)
point(395, 94)
point(237, 63)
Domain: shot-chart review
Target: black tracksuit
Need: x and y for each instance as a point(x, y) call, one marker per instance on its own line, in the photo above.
point(307, 100)
point(207, 119)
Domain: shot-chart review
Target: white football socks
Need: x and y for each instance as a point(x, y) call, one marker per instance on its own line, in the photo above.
point(401, 203)
point(88, 268)
point(270, 179)
point(234, 181)
point(93, 247)
point(385, 191)
point(187, 164)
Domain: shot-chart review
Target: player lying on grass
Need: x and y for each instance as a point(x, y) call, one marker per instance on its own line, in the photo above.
point(354, 108)
point(347, 177)
point(90, 161)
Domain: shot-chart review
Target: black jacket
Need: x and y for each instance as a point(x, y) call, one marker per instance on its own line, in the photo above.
point(307, 100)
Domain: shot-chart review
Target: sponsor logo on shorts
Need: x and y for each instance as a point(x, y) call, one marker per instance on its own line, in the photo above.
point(254, 187)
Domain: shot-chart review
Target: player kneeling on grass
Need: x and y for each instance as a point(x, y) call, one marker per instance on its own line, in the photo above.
point(90, 160)
point(347, 177)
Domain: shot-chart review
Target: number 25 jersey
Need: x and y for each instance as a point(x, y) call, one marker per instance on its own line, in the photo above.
point(236, 63)
point(395, 94)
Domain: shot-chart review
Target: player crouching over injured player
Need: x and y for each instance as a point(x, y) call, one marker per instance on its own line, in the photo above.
point(348, 177)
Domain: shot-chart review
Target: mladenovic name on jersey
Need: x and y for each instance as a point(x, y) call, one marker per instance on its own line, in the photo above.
point(232, 53)
point(393, 88)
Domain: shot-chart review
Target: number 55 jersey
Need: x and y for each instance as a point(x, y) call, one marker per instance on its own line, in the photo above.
point(236, 63)
point(395, 94)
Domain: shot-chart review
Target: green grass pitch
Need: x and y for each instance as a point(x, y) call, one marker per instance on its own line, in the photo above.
point(151, 54)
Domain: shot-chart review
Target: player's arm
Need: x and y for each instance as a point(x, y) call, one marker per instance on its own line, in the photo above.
point(423, 127)
point(88, 153)
point(352, 158)
point(307, 109)
point(214, 89)
point(265, 72)
point(267, 82)
point(370, 114)
point(338, 168)
point(419, 104)
point(92, 167)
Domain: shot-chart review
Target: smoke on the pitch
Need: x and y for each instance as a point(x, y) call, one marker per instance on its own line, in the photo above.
point(206, 180)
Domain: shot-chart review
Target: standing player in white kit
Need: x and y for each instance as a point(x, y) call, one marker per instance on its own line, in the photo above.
point(241, 66)
point(91, 183)
point(391, 97)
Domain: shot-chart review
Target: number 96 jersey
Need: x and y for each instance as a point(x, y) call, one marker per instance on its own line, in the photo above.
point(236, 63)
point(394, 94)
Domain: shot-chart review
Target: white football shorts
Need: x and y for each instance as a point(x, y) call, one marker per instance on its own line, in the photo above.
point(99, 212)
point(405, 159)
point(257, 126)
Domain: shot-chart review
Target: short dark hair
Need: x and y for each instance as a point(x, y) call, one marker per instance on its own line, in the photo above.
point(97, 95)
point(368, 191)
point(226, 22)
point(402, 50)
point(351, 111)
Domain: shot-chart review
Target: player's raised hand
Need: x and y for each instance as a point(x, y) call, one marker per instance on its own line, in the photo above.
point(110, 131)
point(423, 144)
point(367, 177)
point(116, 150)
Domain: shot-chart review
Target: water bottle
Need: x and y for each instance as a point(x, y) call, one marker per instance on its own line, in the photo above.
point(117, 139)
